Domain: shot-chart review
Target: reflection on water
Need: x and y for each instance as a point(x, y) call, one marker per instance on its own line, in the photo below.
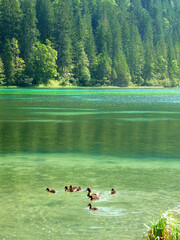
point(103, 139)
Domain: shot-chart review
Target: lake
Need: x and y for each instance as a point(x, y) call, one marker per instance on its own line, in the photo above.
point(127, 139)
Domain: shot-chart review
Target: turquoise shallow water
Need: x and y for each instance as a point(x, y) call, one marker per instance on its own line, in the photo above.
point(126, 139)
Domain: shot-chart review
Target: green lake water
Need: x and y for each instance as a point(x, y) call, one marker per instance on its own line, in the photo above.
point(127, 139)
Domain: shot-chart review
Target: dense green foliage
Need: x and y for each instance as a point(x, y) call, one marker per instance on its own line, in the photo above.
point(90, 42)
point(166, 228)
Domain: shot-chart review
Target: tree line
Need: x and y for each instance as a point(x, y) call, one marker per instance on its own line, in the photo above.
point(90, 42)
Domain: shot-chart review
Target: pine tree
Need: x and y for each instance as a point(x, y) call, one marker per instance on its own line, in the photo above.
point(81, 70)
point(29, 33)
point(103, 34)
point(62, 35)
point(123, 4)
point(81, 61)
point(104, 70)
point(8, 60)
point(120, 74)
point(136, 56)
point(149, 65)
point(89, 41)
point(110, 42)
point(173, 68)
point(2, 76)
point(18, 63)
point(45, 17)
point(120, 71)
point(104, 40)
point(125, 34)
point(10, 18)
point(13, 65)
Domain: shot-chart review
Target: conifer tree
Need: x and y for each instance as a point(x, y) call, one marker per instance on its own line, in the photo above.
point(8, 60)
point(123, 4)
point(18, 63)
point(120, 74)
point(136, 56)
point(149, 65)
point(173, 68)
point(2, 76)
point(89, 41)
point(62, 35)
point(81, 61)
point(29, 32)
point(112, 42)
point(10, 18)
point(104, 35)
point(125, 34)
point(81, 69)
point(104, 71)
point(104, 42)
point(120, 71)
point(45, 17)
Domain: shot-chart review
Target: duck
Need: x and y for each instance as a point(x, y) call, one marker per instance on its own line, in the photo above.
point(92, 208)
point(50, 191)
point(94, 198)
point(73, 188)
point(79, 189)
point(94, 195)
point(68, 189)
point(113, 191)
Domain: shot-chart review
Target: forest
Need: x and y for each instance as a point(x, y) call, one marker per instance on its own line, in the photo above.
point(90, 42)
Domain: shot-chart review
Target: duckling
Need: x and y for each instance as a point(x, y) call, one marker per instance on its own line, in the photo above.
point(73, 188)
point(92, 194)
point(113, 191)
point(92, 208)
point(50, 191)
point(79, 189)
point(94, 198)
point(68, 189)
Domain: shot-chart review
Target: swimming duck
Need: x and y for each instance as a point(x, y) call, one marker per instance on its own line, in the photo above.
point(94, 198)
point(113, 191)
point(68, 189)
point(50, 191)
point(92, 194)
point(92, 208)
point(73, 188)
point(79, 189)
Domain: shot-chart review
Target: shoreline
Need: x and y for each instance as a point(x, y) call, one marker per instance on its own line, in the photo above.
point(79, 87)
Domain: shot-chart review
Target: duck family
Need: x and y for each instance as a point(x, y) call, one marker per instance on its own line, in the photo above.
point(72, 189)
point(90, 195)
point(68, 189)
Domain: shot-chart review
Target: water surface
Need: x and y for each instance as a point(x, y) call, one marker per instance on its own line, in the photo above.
point(127, 139)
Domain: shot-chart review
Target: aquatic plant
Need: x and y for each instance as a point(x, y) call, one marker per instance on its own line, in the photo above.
point(166, 228)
